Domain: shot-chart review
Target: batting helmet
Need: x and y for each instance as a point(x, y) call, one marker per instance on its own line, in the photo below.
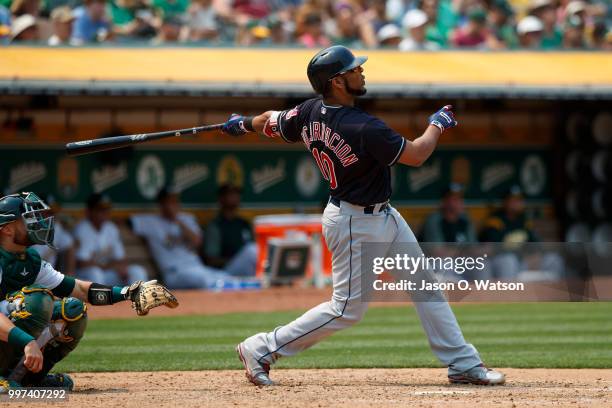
point(33, 211)
point(329, 63)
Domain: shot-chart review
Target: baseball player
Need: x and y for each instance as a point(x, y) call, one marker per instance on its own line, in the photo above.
point(44, 315)
point(354, 152)
point(100, 255)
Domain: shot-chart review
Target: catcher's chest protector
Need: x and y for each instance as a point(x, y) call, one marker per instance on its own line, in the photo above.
point(18, 271)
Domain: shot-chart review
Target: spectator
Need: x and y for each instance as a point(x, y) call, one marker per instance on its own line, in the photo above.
point(502, 34)
point(122, 12)
point(396, 9)
point(170, 8)
point(530, 31)
point(62, 19)
point(450, 223)
point(389, 36)
point(253, 33)
point(313, 35)
point(90, 24)
point(278, 33)
point(5, 25)
point(173, 238)
point(23, 7)
point(608, 41)
point(474, 33)
point(100, 255)
point(228, 242)
point(552, 36)
point(376, 14)
point(601, 36)
point(169, 32)
point(573, 35)
point(415, 22)
point(202, 21)
point(63, 243)
point(132, 19)
point(575, 8)
point(350, 30)
point(441, 20)
point(24, 28)
point(253, 9)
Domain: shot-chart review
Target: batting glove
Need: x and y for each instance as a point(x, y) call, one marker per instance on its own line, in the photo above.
point(443, 119)
point(236, 125)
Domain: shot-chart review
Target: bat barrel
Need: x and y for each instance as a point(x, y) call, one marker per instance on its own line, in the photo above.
point(117, 142)
point(96, 145)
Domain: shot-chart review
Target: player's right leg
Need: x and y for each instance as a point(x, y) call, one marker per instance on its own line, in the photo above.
point(30, 309)
point(73, 312)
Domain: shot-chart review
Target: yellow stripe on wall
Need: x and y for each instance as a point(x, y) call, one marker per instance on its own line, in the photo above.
point(289, 66)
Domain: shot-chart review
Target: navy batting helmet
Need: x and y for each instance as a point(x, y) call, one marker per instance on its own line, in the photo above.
point(329, 63)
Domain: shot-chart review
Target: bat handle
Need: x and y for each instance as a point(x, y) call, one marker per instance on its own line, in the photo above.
point(19, 371)
point(49, 333)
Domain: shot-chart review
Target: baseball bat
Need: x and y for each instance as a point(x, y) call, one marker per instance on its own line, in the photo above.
point(117, 142)
point(52, 331)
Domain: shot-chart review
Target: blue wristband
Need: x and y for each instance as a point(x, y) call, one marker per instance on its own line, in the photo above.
point(19, 338)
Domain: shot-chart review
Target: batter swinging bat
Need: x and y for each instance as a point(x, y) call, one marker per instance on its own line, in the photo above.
point(116, 142)
point(49, 333)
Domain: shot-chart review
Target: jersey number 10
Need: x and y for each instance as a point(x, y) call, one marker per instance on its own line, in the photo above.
point(326, 165)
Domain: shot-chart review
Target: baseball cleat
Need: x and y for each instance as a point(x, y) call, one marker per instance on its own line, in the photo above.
point(6, 385)
point(479, 375)
point(256, 373)
point(57, 380)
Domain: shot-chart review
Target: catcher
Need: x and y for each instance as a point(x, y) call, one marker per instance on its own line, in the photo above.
point(44, 315)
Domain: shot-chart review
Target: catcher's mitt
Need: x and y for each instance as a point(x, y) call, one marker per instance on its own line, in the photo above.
point(147, 295)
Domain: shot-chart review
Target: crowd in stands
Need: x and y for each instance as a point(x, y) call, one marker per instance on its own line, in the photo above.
point(392, 24)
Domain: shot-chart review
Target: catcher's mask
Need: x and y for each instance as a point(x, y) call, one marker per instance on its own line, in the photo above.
point(34, 213)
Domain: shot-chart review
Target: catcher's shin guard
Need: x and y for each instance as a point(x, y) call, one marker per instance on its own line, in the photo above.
point(74, 313)
point(30, 309)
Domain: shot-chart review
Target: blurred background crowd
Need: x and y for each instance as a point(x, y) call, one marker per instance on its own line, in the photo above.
point(223, 253)
point(394, 24)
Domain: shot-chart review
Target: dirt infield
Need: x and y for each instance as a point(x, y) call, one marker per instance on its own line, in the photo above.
point(339, 388)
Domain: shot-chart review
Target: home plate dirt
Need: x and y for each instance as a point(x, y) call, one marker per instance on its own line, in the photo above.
point(339, 388)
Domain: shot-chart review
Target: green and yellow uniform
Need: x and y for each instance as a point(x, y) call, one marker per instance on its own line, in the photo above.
point(36, 294)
